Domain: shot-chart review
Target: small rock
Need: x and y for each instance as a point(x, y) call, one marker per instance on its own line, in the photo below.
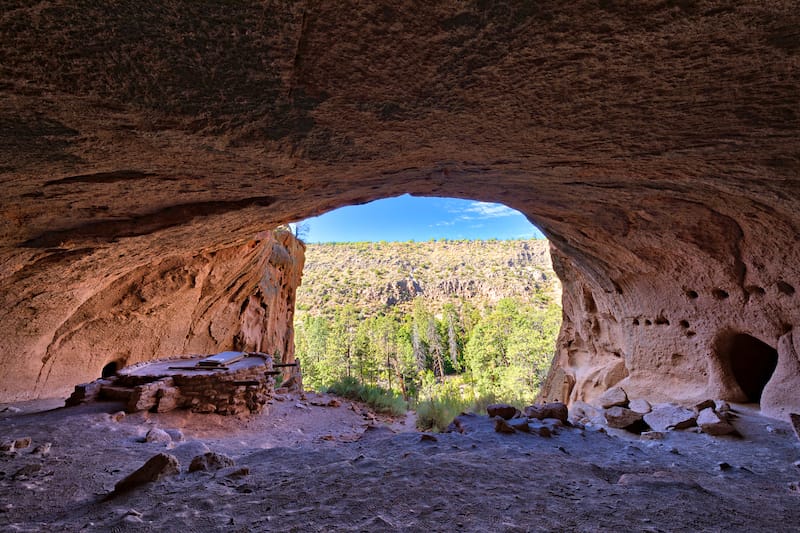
point(621, 417)
point(520, 424)
point(668, 416)
point(651, 435)
point(501, 426)
point(157, 435)
point(794, 486)
point(234, 472)
point(21, 444)
point(27, 471)
point(7, 446)
point(42, 449)
point(712, 424)
point(189, 450)
point(301, 406)
point(175, 434)
point(326, 402)
point(210, 461)
point(705, 404)
point(119, 416)
point(427, 437)
point(796, 464)
point(463, 423)
point(543, 431)
point(724, 466)
point(640, 406)
point(279, 398)
point(722, 407)
point(162, 464)
point(503, 410)
point(612, 397)
point(10, 409)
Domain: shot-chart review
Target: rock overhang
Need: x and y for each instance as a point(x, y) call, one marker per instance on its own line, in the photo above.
point(653, 143)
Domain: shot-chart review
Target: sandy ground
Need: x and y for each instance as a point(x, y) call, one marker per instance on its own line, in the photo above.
point(315, 468)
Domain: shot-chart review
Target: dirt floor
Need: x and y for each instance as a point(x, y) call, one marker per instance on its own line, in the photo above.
point(306, 467)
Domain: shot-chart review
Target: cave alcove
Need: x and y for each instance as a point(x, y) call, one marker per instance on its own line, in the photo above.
point(110, 369)
point(750, 361)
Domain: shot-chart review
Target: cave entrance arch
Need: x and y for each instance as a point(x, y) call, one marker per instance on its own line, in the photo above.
point(750, 361)
point(455, 247)
point(110, 369)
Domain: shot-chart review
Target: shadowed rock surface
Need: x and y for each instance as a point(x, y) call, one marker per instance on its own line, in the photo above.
point(654, 143)
point(335, 469)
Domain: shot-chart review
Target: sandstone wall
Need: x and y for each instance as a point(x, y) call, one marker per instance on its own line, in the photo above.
point(655, 143)
point(236, 297)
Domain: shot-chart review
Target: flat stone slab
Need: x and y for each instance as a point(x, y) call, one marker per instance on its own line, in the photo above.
point(187, 367)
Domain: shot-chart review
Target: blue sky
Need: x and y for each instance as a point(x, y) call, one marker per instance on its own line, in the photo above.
point(408, 217)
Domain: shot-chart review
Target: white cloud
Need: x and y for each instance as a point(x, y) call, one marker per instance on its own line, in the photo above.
point(443, 223)
point(482, 210)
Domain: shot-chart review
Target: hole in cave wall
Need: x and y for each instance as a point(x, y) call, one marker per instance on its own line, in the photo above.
point(750, 361)
point(110, 369)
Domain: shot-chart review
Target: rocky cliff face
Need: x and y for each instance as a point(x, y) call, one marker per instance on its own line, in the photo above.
point(374, 276)
point(236, 297)
point(655, 143)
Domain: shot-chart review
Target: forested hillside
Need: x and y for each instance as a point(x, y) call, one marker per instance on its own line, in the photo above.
point(464, 320)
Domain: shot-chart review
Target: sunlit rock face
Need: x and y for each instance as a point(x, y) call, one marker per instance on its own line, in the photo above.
point(170, 302)
point(655, 143)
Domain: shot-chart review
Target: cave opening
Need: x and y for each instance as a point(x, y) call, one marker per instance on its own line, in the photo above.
point(418, 294)
point(751, 363)
point(110, 370)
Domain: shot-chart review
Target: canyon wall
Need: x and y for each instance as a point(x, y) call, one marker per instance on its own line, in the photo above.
point(654, 142)
point(229, 298)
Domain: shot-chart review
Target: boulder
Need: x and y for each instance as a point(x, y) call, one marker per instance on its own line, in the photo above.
point(621, 417)
point(612, 397)
point(158, 466)
point(584, 413)
point(668, 416)
point(640, 406)
point(556, 410)
point(210, 461)
point(712, 423)
point(503, 410)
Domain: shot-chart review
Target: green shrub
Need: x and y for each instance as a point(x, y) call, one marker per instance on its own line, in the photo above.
point(447, 400)
point(380, 399)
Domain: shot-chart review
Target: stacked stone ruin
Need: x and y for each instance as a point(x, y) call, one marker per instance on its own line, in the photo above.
point(241, 388)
